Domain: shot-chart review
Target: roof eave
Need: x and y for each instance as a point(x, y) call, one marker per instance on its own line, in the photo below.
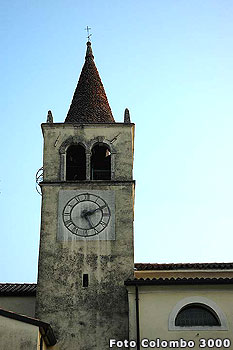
point(178, 281)
point(45, 328)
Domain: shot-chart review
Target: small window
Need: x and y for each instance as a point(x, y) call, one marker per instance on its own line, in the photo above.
point(100, 163)
point(76, 163)
point(85, 280)
point(196, 315)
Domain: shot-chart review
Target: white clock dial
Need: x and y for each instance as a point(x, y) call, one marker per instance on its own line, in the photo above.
point(86, 215)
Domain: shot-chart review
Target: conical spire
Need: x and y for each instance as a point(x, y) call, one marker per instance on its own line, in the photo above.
point(90, 103)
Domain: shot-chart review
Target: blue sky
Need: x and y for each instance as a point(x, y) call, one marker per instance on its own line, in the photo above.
point(170, 63)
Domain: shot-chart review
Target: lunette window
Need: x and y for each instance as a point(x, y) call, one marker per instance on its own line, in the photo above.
point(196, 315)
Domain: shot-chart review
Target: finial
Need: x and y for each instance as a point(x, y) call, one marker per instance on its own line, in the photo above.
point(127, 116)
point(88, 33)
point(89, 53)
point(89, 103)
point(50, 117)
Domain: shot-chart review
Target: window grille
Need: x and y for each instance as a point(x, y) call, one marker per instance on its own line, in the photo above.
point(196, 315)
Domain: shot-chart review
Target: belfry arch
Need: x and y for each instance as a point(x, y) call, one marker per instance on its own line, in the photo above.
point(95, 149)
point(87, 225)
point(73, 160)
point(100, 162)
point(75, 163)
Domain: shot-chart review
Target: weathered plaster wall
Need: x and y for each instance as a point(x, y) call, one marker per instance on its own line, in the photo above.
point(120, 137)
point(19, 304)
point(157, 302)
point(77, 313)
point(85, 318)
point(17, 335)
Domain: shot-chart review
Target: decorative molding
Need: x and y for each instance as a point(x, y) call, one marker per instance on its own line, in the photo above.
point(210, 304)
point(77, 140)
point(72, 140)
point(62, 166)
point(102, 140)
point(49, 117)
point(88, 166)
point(127, 116)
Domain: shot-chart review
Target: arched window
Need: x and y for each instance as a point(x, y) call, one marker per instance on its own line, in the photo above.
point(76, 163)
point(194, 315)
point(100, 163)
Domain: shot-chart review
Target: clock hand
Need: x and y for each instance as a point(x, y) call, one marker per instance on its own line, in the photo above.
point(90, 212)
point(89, 220)
point(84, 213)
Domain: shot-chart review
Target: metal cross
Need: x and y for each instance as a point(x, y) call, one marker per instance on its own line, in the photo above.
point(88, 33)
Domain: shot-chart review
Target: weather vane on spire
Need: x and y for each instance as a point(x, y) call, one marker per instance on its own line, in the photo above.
point(88, 33)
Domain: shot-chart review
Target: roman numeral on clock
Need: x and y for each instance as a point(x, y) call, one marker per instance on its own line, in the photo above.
point(103, 223)
point(68, 223)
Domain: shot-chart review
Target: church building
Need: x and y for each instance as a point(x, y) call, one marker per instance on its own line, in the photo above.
point(90, 294)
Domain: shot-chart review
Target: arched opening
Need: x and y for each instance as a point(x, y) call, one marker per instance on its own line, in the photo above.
point(76, 163)
point(100, 163)
point(194, 315)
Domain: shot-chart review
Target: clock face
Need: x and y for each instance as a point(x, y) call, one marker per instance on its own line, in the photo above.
point(86, 215)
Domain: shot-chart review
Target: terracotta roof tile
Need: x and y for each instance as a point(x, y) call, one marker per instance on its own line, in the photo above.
point(178, 281)
point(90, 103)
point(23, 289)
point(26, 289)
point(183, 266)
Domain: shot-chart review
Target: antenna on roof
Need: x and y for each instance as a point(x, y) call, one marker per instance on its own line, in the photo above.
point(88, 33)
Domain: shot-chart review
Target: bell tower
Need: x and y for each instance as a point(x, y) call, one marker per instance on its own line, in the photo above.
point(86, 240)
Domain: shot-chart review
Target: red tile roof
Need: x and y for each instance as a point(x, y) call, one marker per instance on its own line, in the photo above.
point(29, 289)
point(178, 281)
point(24, 289)
point(183, 266)
point(90, 103)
